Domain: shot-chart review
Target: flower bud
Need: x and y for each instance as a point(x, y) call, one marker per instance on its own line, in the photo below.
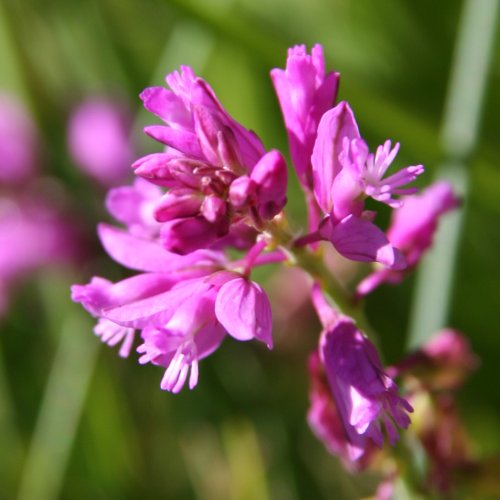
point(271, 176)
point(177, 204)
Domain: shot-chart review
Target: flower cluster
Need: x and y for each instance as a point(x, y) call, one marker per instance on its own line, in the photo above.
point(214, 191)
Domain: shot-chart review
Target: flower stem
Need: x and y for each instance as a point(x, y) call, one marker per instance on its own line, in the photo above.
point(311, 262)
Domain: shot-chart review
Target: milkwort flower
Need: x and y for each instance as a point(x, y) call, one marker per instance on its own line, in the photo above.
point(218, 173)
point(363, 396)
point(214, 186)
point(183, 304)
point(305, 92)
point(345, 173)
point(183, 312)
point(412, 230)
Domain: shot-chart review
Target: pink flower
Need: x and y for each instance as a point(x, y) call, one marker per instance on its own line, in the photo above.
point(204, 309)
point(305, 93)
point(442, 363)
point(218, 172)
point(99, 142)
point(412, 230)
point(18, 143)
point(33, 234)
point(100, 294)
point(365, 397)
point(345, 173)
point(324, 419)
point(414, 224)
point(183, 305)
point(134, 206)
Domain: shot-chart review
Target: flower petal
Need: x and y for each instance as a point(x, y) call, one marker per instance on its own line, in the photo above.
point(136, 253)
point(360, 240)
point(180, 140)
point(166, 105)
point(334, 126)
point(244, 310)
point(157, 309)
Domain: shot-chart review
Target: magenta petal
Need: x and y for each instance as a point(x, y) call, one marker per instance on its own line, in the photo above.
point(123, 204)
point(207, 126)
point(183, 236)
point(244, 310)
point(271, 177)
point(155, 168)
point(183, 141)
point(133, 252)
point(334, 126)
point(157, 309)
point(132, 205)
point(414, 224)
point(364, 395)
point(250, 146)
point(101, 293)
point(304, 93)
point(214, 209)
point(166, 105)
point(360, 240)
point(241, 191)
point(178, 203)
point(94, 296)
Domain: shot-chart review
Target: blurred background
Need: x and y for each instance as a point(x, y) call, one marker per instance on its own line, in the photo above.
point(79, 422)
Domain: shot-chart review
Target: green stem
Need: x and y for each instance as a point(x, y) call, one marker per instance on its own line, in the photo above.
point(312, 263)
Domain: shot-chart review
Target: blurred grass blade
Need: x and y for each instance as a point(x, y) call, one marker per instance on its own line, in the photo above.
point(10, 76)
point(471, 65)
point(60, 411)
point(206, 467)
point(473, 52)
point(248, 474)
point(255, 37)
point(189, 44)
point(12, 447)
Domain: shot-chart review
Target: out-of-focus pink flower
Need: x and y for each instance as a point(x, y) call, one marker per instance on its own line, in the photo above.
point(445, 439)
point(19, 146)
point(442, 363)
point(433, 373)
point(412, 230)
point(99, 142)
point(32, 234)
point(218, 172)
point(414, 224)
point(305, 93)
